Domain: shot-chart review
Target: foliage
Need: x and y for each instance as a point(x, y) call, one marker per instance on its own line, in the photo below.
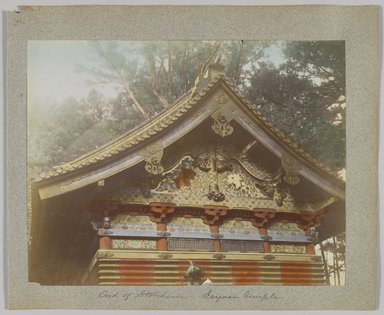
point(304, 95)
point(336, 265)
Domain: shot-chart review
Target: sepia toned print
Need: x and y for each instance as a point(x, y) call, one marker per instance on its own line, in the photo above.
point(186, 163)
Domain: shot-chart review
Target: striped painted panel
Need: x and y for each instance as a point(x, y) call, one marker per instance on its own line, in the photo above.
point(141, 271)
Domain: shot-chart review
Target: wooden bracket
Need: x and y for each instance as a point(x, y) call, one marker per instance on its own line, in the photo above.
point(262, 216)
point(160, 212)
point(308, 220)
point(214, 214)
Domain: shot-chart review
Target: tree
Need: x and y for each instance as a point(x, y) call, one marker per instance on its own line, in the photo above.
point(304, 95)
point(333, 253)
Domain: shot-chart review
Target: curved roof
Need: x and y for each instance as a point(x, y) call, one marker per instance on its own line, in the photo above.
point(190, 110)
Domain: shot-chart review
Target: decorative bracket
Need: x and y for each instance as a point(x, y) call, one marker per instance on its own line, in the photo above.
point(161, 211)
point(221, 124)
point(291, 167)
point(262, 216)
point(152, 156)
point(214, 214)
point(309, 220)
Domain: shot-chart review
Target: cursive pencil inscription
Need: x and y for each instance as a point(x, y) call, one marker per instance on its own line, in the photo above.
point(210, 295)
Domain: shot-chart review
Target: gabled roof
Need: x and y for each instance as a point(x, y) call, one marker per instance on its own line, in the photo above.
point(189, 111)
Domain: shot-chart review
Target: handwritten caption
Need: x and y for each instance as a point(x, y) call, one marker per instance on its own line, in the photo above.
point(207, 294)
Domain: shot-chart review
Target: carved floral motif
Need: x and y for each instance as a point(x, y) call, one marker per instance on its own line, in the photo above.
point(221, 124)
point(291, 167)
point(209, 174)
point(152, 156)
point(221, 98)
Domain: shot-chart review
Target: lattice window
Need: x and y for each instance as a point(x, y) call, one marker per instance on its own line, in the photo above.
point(242, 246)
point(187, 244)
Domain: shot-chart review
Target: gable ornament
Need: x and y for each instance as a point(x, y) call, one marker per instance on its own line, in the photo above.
point(152, 157)
point(291, 167)
point(221, 98)
point(221, 124)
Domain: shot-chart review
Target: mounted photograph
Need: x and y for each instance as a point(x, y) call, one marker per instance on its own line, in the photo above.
point(186, 163)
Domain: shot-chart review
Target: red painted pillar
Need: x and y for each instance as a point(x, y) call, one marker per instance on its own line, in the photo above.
point(162, 243)
point(267, 246)
point(105, 242)
point(310, 246)
point(213, 216)
point(161, 213)
point(214, 228)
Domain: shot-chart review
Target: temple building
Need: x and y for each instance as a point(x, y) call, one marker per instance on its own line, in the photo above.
point(208, 190)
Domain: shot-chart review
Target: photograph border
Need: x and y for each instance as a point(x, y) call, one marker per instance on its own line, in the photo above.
point(358, 26)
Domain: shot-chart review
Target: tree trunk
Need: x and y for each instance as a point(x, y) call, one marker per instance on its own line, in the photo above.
point(334, 268)
point(136, 103)
point(325, 263)
point(336, 261)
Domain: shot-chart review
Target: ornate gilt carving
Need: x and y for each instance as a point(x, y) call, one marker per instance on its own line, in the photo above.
point(221, 124)
point(213, 159)
point(221, 98)
point(152, 156)
point(279, 195)
point(216, 195)
point(171, 177)
point(291, 167)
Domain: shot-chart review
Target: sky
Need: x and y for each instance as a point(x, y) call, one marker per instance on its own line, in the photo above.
point(53, 72)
